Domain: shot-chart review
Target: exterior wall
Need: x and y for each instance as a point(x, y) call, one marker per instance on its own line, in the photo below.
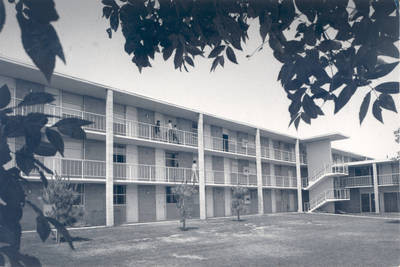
point(209, 202)
point(267, 201)
point(95, 150)
point(218, 202)
point(147, 203)
point(146, 155)
point(228, 201)
point(95, 204)
point(132, 207)
point(94, 105)
point(351, 206)
point(318, 154)
point(161, 209)
point(28, 220)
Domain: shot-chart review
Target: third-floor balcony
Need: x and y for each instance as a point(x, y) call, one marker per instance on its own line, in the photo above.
point(229, 179)
point(229, 146)
point(278, 154)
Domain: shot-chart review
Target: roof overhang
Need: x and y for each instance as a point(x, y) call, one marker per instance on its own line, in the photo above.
point(325, 137)
point(369, 162)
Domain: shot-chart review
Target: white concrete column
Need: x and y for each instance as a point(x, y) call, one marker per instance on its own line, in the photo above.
point(273, 183)
point(260, 194)
point(210, 202)
point(132, 204)
point(161, 208)
point(202, 186)
point(298, 178)
point(160, 163)
point(228, 201)
point(376, 187)
point(109, 159)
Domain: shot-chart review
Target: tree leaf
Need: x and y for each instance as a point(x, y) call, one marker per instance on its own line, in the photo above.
point(386, 102)
point(75, 132)
point(178, 58)
point(24, 161)
point(114, 20)
point(42, 227)
point(36, 98)
point(216, 51)
point(71, 122)
point(214, 64)
point(387, 48)
point(344, 97)
point(2, 14)
point(364, 107)
point(41, 165)
point(45, 149)
point(377, 111)
point(56, 140)
point(189, 61)
point(305, 118)
point(381, 70)
point(265, 27)
point(5, 96)
point(388, 88)
point(231, 55)
point(107, 11)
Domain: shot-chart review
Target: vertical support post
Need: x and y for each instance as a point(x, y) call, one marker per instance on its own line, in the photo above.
point(109, 158)
point(298, 178)
point(376, 187)
point(202, 186)
point(260, 194)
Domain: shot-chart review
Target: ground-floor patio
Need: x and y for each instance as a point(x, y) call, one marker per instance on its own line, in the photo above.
point(289, 239)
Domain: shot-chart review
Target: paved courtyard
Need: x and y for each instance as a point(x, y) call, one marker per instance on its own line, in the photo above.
point(269, 240)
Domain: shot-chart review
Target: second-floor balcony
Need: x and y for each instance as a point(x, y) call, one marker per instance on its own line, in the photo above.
point(279, 181)
point(226, 145)
point(140, 130)
point(154, 132)
point(389, 179)
point(356, 181)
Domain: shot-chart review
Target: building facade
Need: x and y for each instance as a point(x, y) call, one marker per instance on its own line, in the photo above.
point(138, 148)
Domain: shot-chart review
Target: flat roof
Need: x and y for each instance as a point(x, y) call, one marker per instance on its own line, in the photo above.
point(368, 162)
point(16, 69)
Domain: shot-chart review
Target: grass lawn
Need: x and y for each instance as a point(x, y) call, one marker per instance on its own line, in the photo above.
point(269, 240)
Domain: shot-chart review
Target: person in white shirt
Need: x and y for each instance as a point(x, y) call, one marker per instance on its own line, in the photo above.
point(194, 177)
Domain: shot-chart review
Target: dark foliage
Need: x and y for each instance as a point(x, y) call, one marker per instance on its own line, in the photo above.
point(328, 49)
point(40, 139)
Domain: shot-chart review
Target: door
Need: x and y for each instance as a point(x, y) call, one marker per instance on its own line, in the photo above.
point(219, 202)
point(225, 142)
point(391, 201)
point(147, 203)
point(366, 202)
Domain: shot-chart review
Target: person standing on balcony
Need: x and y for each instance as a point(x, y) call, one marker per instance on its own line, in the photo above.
point(194, 178)
point(175, 135)
point(157, 129)
point(170, 131)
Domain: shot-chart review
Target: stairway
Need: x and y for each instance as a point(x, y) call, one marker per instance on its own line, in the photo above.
point(329, 170)
point(330, 195)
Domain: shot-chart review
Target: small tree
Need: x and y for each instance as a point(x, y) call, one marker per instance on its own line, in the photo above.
point(184, 201)
point(61, 196)
point(239, 205)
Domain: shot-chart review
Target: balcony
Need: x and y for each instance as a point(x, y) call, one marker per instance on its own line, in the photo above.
point(235, 178)
point(278, 181)
point(389, 179)
point(226, 145)
point(98, 120)
point(277, 154)
point(356, 181)
point(153, 132)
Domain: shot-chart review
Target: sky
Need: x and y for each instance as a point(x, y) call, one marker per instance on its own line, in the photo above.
point(248, 92)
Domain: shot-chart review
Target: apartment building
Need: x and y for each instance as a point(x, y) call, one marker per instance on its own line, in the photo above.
point(138, 148)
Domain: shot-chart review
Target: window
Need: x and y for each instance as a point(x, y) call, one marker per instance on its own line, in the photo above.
point(171, 197)
point(119, 194)
point(80, 192)
point(171, 159)
point(119, 154)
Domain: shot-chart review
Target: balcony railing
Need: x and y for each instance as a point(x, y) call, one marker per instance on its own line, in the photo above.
point(303, 158)
point(226, 145)
point(356, 181)
point(279, 181)
point(278, 154)
point(154, 132)
point(327, 169)
point(329, 195)
point(98, 120)
point(234, 178)
point(215, 177)
point(389, 179)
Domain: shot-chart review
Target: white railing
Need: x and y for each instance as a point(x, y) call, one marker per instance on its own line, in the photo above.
point(327, 170)
point(98, 120)
point(215, 177)
point(278, 154)
point(226, 145)
point(279, 181)
point(239, 178)
point(303, 158)
point(356, 181)
point(389, 179)
point(154, 132)
point(329, 195)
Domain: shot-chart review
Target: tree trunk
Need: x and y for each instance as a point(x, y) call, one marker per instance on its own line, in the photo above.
point(184, 224)
point(58, 237)
point(238, 215)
